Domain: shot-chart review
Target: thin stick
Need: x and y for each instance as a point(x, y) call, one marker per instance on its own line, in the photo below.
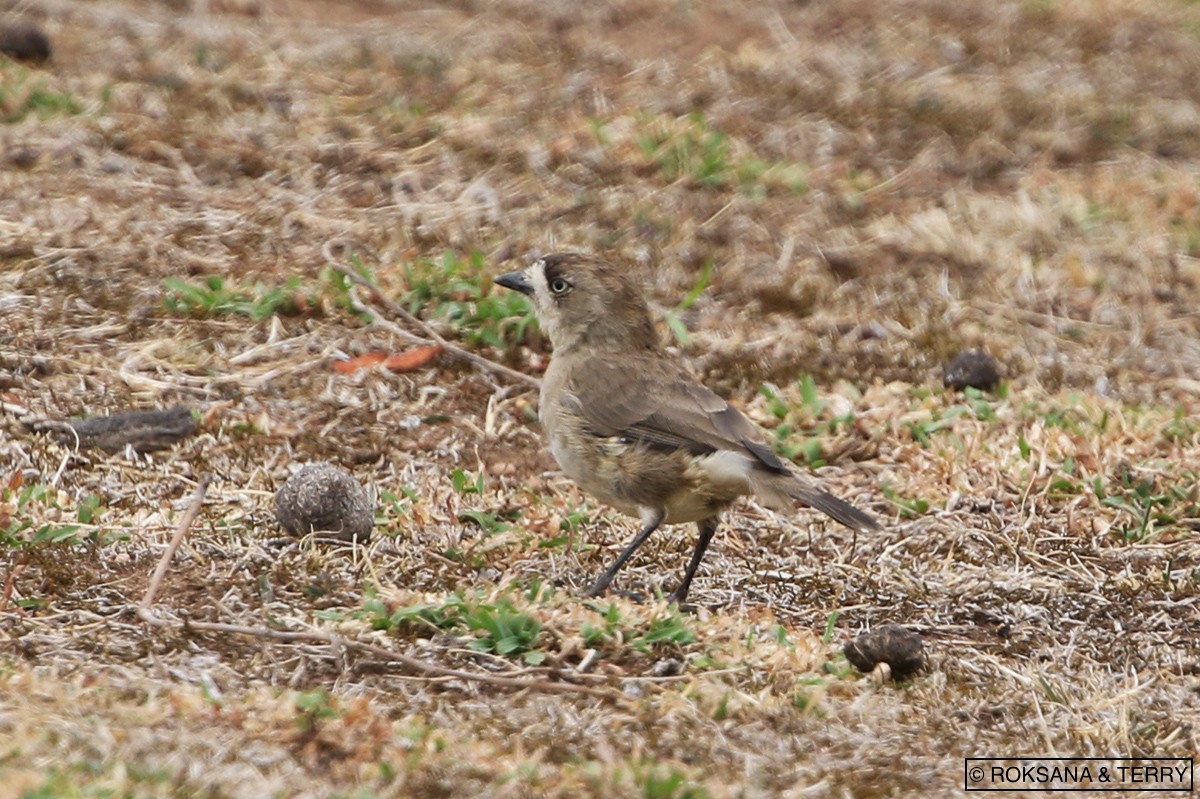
point(185, 524)
point(426, 330)
point(419, 666)
point(9, 582)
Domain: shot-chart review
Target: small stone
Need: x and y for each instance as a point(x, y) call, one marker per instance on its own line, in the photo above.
point(899, 647)
point(972, 369)
point(325, 500)
point(668, 667)
point(25, 42)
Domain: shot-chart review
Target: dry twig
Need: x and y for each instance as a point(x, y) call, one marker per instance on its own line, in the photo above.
point(431, 335)
point(160, 571)
point(425, 669)
point(414, 664)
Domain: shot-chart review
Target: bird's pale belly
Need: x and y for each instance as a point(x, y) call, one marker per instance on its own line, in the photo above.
point(594, 473)
point(607, 469)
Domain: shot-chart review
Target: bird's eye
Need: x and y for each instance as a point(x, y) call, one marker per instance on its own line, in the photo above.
point(559, 286)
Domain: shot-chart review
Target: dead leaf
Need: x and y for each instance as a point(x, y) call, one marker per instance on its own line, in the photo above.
point(361, 362)
point(402, 362)
point(413, 359)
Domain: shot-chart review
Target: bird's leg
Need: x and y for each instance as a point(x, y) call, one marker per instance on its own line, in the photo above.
point(707, 528)
point(650, 523)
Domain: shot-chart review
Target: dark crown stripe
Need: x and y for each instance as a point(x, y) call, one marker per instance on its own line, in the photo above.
point(554, 268)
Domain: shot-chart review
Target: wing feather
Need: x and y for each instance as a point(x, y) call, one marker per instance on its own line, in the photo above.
point(659, 404)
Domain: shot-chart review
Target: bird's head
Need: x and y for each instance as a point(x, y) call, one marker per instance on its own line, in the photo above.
point(584, 301)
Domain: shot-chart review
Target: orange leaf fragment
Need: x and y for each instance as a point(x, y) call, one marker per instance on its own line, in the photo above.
point(402, 362)
point(413, 359)
point(361, 362)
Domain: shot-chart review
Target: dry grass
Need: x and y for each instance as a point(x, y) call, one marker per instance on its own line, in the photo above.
point(876, 184)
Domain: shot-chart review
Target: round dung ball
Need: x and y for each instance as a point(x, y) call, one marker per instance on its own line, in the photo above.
point(899, 647)
point(972, 369)
point(327, 501)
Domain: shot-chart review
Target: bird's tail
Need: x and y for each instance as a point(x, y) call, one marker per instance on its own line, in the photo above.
point(778, 489)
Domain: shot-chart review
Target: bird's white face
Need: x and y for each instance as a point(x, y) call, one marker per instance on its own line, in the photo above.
point(549, 292)
point(543, 298)
point(581, 299)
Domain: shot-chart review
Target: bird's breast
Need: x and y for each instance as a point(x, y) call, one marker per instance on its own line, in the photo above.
point(599, 468)
point(632, 476)
point(595, 463)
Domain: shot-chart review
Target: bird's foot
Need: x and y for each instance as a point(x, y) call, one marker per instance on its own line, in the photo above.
point(680, 601)
point(601, 588)
point(633, 596)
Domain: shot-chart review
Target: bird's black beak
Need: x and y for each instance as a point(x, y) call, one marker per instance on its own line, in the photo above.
point(515, 281)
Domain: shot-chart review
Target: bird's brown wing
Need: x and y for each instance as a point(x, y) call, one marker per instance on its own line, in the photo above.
point(659, 404)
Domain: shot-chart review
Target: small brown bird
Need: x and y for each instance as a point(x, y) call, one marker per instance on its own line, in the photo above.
point(628, 423)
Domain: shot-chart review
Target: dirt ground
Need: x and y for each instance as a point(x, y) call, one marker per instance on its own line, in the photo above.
point(825, 202)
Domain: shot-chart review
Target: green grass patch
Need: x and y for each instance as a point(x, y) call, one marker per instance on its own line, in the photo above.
point(908, 507)
point(216, 296)
point(803, 427)
point(1148, 509)
point(690, 149)
point(23, 93)
point(498, 627)
point(670, 631)
point(459, 292)
point(674, 318)
point(37, 515)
